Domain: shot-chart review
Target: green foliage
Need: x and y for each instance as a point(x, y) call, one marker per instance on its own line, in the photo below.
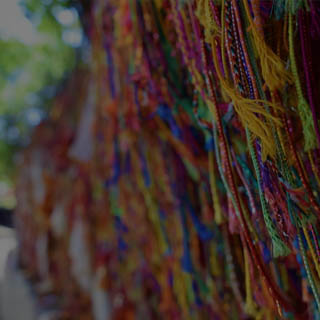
point(30, 74)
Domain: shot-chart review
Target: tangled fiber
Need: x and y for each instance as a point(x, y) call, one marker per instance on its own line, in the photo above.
point(178, 174)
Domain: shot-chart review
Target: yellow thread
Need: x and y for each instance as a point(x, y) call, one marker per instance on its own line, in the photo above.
point(314, 169)
point(152, 209)
point(273, 69)
point(249, 222)
point(180, 289)
point(205, 18)
point(224, 63)
point(248, 111)
point(250, 305)
point(270, 303)
point(215, 266)
point(313, 253)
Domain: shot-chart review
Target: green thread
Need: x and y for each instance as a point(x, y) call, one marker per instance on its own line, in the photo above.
point(279, 248)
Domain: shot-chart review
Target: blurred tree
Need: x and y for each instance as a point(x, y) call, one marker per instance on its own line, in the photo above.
point(31, 72)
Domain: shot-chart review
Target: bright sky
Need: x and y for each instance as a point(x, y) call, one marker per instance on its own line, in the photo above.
point(13, 23)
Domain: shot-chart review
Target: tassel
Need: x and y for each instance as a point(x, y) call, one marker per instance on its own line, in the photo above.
point(205, 17)
point(272, 67)
point(249, 110)
point(307, 123)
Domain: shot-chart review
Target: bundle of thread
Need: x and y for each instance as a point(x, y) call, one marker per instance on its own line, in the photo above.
point(178, 175)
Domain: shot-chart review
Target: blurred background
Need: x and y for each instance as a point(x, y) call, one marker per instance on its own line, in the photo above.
point(41, 43)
